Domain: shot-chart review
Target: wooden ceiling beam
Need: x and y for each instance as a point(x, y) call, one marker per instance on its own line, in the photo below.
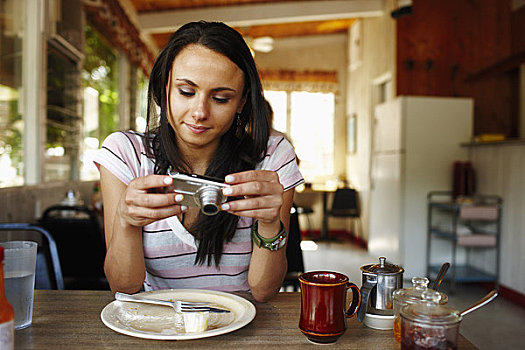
point(158, 5)
point(298, 29)
point(280, 30)
point(261, 14)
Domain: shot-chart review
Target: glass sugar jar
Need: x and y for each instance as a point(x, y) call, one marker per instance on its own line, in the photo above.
point(429, 325)
point(410, 295)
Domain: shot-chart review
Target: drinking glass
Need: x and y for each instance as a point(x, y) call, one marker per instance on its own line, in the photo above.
point(19, 273)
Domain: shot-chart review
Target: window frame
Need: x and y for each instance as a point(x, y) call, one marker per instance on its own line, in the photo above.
point(325, 88)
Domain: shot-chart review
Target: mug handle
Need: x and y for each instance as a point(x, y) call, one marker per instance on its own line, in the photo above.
point(356, 299)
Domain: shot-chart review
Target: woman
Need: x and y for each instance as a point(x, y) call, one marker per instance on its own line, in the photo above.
point(212, 122)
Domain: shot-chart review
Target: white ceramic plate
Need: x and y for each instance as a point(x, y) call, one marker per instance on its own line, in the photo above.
point(382, 322)
point(161, 322)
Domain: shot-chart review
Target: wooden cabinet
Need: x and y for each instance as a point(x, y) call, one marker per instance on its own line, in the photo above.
point(466, 228)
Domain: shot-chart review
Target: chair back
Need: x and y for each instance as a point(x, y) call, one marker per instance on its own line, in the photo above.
point(294, 254)
point(48, 273)
point(80, 241)
point(345, 203)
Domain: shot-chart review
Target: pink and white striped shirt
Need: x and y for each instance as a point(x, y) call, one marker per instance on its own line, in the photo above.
point(169, 249)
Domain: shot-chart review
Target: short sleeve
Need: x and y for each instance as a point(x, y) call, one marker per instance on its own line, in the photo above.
point(280, 157)
point(121, 154)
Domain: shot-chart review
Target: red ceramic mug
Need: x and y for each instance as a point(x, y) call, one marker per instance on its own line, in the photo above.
point(323, 305)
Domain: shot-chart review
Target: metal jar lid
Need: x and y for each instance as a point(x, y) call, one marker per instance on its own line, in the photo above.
point(383, 268)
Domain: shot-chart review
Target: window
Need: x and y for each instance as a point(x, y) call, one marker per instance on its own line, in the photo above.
point(63, 117)
point(308, 119)
point(278, 101)
point(11, 122)
point(63, 125)
point(11, 157)
point(100, 97)
point(82, 101)
point(141, 101)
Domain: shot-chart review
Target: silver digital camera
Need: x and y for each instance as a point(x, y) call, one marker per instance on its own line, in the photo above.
point(200, 191)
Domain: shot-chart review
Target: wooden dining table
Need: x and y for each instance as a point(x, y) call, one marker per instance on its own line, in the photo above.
point(70, 319)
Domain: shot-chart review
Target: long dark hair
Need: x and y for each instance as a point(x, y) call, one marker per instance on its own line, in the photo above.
point(240, 148)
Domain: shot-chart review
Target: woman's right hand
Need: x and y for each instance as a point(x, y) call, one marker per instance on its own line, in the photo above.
point(126, 209)
point(142, 203)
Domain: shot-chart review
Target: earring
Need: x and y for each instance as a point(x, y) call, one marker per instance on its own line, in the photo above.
point(239, 121)
point(240, 130)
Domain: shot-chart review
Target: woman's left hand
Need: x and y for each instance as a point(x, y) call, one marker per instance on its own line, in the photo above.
point(262, 192)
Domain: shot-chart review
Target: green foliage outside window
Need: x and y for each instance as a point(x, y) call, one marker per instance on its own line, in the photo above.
point(100, 72)
point(11, 133)
point(11, 122)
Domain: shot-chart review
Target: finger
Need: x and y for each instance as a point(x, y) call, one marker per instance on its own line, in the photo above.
point(156, 200)
point(256, 188)
point(162, 213)
point(254, 203)
point(151, 181)
point(144, 216)
point(252, 175)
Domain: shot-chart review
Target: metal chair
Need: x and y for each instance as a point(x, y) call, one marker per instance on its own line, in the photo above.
point(48, 269)
point(346, 205)
point(80, 241)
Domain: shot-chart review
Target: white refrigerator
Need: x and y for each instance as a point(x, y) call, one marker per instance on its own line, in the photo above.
point(415, 143)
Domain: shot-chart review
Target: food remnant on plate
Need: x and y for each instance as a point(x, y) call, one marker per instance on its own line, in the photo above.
point(195, 322)
point(163, 320)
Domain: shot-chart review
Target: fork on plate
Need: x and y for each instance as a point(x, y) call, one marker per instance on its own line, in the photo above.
point(177, 305)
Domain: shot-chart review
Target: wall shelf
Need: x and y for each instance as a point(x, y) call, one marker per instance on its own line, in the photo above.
point(509, 141)
point(500, 67)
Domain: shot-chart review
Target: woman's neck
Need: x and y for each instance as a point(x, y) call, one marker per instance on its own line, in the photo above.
point(198, 158)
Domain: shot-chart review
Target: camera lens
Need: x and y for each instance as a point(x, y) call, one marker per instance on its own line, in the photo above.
point(209, 199)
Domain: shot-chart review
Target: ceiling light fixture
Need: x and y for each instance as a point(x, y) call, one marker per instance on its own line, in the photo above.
point(260, 44)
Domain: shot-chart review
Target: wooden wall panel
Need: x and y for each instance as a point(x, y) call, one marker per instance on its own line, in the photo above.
point(443, 43)
point(518, 30)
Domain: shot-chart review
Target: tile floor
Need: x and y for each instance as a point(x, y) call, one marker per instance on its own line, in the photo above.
point(498, 325)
